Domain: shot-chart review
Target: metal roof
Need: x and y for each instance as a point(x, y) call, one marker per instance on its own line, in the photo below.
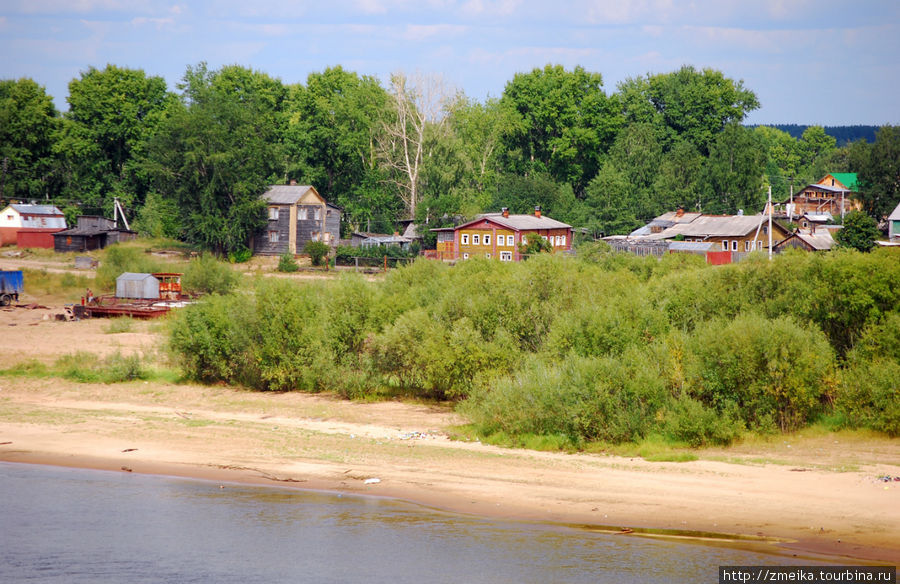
point(691, 245)
point(522, 222)
point(36, 209)
point(286, 194)
point(895, 215)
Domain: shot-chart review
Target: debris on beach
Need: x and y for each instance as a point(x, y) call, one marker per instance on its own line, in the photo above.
point(372, 481)
point(415, 435)
point(888, 479)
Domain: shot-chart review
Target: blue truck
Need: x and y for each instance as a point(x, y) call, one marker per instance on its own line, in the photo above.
point(11, 285)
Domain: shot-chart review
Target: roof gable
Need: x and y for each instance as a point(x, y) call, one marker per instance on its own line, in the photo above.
point(841, 180)
point(293, 195)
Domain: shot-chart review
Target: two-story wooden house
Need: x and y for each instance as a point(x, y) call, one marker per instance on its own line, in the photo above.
point(835, 193)
point(296, 214)
point(498, 236)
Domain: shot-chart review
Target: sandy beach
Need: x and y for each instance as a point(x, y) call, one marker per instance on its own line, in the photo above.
point(804, 494)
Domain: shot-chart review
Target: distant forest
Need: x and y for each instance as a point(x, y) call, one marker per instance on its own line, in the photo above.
point(843, 134)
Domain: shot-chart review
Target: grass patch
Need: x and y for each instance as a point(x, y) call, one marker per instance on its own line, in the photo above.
point(31, 368)
point(123, 324)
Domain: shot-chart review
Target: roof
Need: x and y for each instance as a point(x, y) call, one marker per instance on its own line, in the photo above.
point(820, 187)
point(133, 276)
point(520, 222)
point(713, 226)
point(90, 231)
point(895, 215)
point(36, 209)
point(819, 217)
point(287, 194)
point(691, 245)
point(675, 217)
point(848, 179)
point(821, 240)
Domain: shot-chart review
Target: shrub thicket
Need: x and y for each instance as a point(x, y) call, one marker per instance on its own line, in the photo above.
point(608, 347)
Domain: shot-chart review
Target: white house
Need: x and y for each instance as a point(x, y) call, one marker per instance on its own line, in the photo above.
point(34, 219)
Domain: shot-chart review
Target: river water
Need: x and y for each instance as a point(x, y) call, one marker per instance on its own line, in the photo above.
point(71, 526)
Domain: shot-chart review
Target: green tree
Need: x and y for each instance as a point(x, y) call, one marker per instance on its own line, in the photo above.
point(879, 172)
point(691, 105)
point(332, 126)
point(566, 122)
point(28, 126)
point(859, 232)
point(112, 113)
point(734, 172)
point(215, 155)
point(679, 179)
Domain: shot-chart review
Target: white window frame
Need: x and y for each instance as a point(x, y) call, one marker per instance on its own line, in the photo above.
point(273, 237)
point(747, 245)
point(510, 240)
point(506, 256)
point(273, 213)
point(301, 214)
point(734, 245)
point(465, 256)
point(486, 239)
point(464, 239)
point(476, 239)
point(758, 244)
point(317, 214)
point(724, 245)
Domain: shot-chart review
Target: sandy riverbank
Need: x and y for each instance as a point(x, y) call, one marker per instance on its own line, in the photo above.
point(816, 494)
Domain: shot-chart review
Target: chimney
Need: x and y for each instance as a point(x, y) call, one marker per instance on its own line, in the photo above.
point(679, 212)
point(537, 211)
point(293, 183)
point(505, 211)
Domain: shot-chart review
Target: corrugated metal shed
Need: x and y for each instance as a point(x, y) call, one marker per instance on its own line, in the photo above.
point(132, 285)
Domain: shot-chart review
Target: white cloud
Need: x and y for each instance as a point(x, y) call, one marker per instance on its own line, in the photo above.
point(490, 7)
point(421, 32)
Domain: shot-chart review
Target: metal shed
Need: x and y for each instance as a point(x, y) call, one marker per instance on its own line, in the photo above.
point(132, 285)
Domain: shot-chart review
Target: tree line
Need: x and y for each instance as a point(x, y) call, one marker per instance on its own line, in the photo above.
point(191, 164)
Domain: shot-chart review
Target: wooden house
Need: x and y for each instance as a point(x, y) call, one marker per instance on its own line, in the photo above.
point(835, 193)
point(30, 225)
point(92, 232)
point(296, 214)
point(498, 236)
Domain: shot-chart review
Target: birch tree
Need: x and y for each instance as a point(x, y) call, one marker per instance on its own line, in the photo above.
point(420, 105)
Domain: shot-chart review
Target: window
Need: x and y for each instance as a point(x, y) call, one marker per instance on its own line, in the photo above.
point(747, 245)
point(505, 256)
point(562, 240)
point(464, 239)
point(724, 245)
point(465, 256)
point(317, 214)
point(758, 244)
point(510, 240)
point(273, 237)
point(476, 239)
point(765, 229)
point(301, 214)
point(734, 243)
point(487, 239)
point(273, 213)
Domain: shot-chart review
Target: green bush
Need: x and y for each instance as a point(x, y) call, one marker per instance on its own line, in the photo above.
point(240, 256)
point(869, 396)
point(317, 251)
point(84, 367)
point(773, 371)
point(287, 263)
point(208, 275)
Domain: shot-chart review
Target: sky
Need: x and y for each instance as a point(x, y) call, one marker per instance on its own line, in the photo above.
point(825, 62)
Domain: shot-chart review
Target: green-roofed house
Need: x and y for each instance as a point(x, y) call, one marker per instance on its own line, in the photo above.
point(834, 194)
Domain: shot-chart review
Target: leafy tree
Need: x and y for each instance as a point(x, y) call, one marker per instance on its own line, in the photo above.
point(609, 200)
point(317, 251)
point(879, 172)
point(28, 124)
point(691, 105)
point(679, 179)
point(112, 113)
point(566, 122)
point(216, 153)
point(534, 244)
point(814, 147)
point(332, 126)
point(734, 172)
point(859, 232)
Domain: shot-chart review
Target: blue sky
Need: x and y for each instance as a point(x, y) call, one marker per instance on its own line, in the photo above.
point(809, 61)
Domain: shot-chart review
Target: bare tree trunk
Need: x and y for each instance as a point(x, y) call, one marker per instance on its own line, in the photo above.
point(420, 103)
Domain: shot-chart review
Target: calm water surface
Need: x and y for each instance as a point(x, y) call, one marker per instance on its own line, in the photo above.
point(71, 526)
